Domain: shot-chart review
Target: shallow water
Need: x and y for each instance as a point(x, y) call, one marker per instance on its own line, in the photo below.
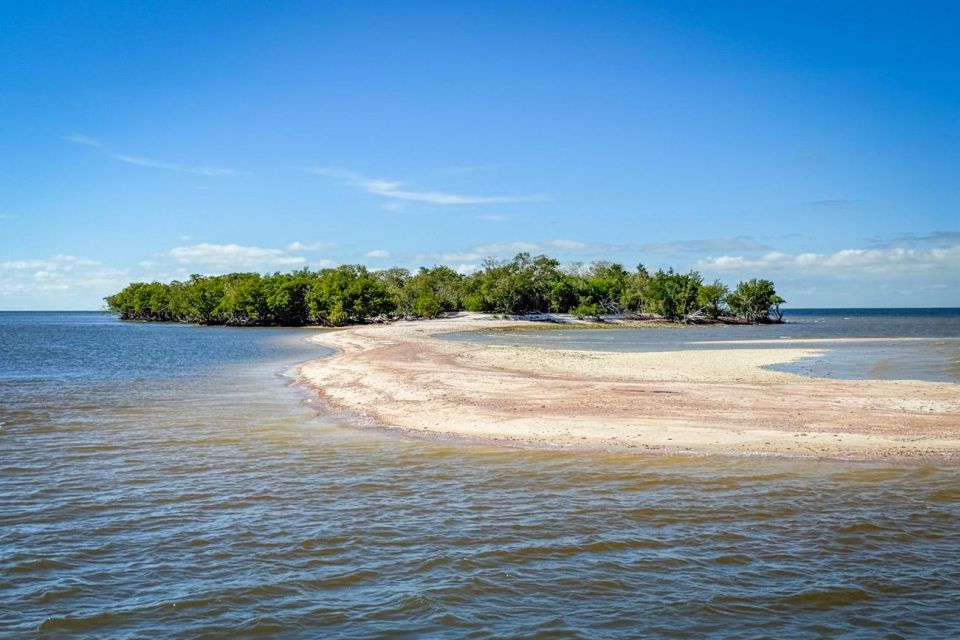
point(165, 481)
point(859, 344)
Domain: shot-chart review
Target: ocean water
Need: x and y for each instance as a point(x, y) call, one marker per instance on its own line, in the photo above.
point(161, 481)
point(859, 344)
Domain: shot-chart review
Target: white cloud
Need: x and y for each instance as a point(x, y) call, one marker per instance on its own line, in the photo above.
point(566, 245)
point(492, 217)
point(209, 171)
point(308, 246)
point(59, 262)
point(397, 190)
point(377, 253)
point(8, 216)
point(870, 277)
point(58, 282)
point(234, 256)
point(886, 262)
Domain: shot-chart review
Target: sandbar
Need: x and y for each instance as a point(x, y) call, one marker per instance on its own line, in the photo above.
point(710, 401)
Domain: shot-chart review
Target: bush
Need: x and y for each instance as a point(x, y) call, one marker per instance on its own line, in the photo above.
point(587, 310)
point(754, 300)
point(427, 306)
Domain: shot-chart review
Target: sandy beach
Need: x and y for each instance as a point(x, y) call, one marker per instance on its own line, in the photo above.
point(692, 402)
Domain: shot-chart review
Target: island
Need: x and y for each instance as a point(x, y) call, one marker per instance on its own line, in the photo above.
point(390, 369)
point(352, 294)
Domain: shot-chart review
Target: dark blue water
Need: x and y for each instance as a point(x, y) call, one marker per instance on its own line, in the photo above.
point(162, 481)
point(860, 344)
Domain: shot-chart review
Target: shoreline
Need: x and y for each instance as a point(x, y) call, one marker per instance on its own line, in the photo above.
point(694, 402)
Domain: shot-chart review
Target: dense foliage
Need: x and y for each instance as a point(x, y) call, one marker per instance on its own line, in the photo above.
point(527, 284)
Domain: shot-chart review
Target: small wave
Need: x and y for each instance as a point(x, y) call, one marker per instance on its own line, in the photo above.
point(349, 579)
point(862, 527)
point(829, 598)
point(732, 559)
point(38, 564)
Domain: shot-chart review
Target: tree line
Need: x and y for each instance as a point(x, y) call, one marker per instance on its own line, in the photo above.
point(351, 294)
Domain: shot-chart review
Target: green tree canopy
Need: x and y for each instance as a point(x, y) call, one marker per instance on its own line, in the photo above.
point(525, 284)
point(754, 300)
point(672, 295)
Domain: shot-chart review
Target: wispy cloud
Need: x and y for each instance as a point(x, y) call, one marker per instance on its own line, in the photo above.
point(377, 253)
point(932, 239)
point(741, 243)
point(171, 166)
point(82, 139)
point(397, 190)
point(939, 237)
point(8, 216)
point(209, 171)
point(492, 217)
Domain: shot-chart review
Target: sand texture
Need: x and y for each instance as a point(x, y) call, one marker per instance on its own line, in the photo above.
point(698, 401)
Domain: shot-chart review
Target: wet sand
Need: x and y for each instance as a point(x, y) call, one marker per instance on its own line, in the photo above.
point(694, 401)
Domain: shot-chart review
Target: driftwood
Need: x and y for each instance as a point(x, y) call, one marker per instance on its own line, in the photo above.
point(695, 317)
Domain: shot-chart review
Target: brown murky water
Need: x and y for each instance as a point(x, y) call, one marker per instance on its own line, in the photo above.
point(161, 481)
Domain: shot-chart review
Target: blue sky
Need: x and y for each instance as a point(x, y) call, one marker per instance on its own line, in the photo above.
point(816, 144)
